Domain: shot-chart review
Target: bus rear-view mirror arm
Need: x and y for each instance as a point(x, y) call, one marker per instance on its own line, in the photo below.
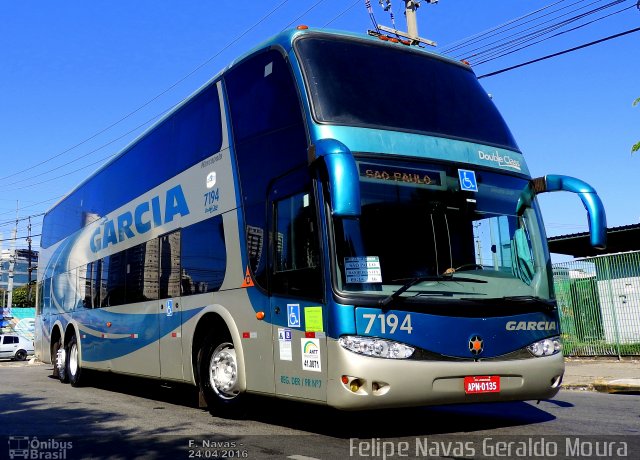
point(342, 173)
point(590, 199)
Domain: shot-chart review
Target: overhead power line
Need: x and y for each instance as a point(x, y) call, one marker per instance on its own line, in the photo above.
point(476, 38)
point(535, 31)
point(513, 48)
point(15, 221)
point(303, 14)
point(335, 18)
point(610, 37)
point(232, 42)
point(524, 41)
point(19, 238)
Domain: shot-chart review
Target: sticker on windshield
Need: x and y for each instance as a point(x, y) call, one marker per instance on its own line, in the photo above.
point(363, 269)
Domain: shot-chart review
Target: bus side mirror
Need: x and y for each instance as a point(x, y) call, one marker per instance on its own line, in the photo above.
point(590, 200)
point(344, 180)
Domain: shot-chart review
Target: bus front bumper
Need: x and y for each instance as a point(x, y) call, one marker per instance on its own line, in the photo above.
point(358, 382)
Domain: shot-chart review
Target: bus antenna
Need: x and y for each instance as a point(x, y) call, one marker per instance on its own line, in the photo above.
point(410, 10)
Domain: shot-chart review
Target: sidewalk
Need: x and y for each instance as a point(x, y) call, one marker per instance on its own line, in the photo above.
point(605, 375)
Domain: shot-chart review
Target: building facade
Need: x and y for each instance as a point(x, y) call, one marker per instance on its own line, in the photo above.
point(20, 268)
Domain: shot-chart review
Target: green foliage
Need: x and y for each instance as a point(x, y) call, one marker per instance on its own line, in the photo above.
point(20, 297)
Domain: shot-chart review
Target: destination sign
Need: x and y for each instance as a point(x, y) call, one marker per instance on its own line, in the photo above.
point(401, 175)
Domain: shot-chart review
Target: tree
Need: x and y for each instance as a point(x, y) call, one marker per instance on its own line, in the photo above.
point(20, 297)
point(636, 146)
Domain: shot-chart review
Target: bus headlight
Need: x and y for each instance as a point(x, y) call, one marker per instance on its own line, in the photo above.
point(379, 348)
point(545, 347)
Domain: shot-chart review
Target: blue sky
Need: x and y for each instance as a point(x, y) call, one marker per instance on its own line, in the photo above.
point(80, 80)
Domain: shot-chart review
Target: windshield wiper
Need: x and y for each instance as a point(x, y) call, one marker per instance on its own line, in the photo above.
point(419, 279)
point(549, 305)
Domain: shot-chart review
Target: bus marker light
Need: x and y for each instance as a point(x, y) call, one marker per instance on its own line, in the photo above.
point(302, 27)
point(345, 379)
point(109, 324)
point(309, 335)
point(260, 315)
point(245, 335)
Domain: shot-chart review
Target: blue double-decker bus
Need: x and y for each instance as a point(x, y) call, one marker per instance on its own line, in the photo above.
point(306, 226)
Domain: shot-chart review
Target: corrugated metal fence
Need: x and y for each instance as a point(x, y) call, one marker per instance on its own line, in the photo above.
point(599, 302)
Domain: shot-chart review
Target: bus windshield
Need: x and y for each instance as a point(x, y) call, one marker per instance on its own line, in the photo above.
point(418, 227)
point(349, 84)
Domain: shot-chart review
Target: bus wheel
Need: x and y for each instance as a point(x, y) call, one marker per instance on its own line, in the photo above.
point(220, 378)
point(58, 355)
point(74, 370)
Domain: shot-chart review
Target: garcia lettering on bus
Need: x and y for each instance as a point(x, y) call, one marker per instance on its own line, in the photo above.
point(146, 215)
point(531, 326)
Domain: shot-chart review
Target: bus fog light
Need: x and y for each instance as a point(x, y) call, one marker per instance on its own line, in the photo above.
point(379, 348)
point(545, 347)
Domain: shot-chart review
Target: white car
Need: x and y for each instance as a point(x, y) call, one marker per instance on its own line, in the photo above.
point(16, 347)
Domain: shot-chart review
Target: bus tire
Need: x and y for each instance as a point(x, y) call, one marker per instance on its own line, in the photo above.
point(220, 378)
point(59, 363)
point(74, 369)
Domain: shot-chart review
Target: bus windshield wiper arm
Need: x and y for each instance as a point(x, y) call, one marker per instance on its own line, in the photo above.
point(419, 279)
point(547, 303)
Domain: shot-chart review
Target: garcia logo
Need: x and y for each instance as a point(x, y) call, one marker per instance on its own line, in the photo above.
point(146, 215)
point(211, 179)
point(504, 161)
point(531, 326)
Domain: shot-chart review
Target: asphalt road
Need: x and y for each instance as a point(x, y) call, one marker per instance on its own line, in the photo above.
point(123, 417)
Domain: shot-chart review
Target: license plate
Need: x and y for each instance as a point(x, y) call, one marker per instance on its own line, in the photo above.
point(482, 384)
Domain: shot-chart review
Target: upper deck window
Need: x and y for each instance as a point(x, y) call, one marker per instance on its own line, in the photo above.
point(358, 83)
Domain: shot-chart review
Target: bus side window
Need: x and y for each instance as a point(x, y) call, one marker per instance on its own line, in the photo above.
point(203, 257)
point(169, 265)
point(296, 265)
point(87, 284)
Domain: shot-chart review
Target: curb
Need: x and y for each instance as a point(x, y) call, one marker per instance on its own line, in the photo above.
point(617, 386)
point(606, 386)
point(578, 386)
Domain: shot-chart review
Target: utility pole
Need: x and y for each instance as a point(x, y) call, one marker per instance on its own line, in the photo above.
point(12, 262)
point(29, 262)
point(410, 10)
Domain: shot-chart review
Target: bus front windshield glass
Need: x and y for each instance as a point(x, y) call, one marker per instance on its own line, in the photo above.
point(349, 84)
point(418, 229)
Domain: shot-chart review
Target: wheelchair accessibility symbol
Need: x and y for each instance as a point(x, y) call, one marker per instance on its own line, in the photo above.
point(293, 315)
point(468, 181)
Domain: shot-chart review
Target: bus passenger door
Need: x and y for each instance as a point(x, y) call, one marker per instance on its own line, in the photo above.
point(169, 308)
point(296, 287)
